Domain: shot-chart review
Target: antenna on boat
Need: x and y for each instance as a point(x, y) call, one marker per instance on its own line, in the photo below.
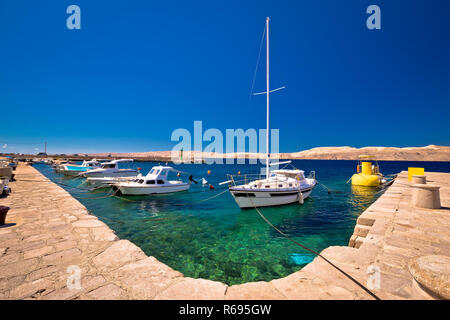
point(267, 92)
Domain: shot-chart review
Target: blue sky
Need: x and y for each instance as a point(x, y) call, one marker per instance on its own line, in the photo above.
point(137, 70)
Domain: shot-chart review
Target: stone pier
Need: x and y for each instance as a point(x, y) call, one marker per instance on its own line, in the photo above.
point(50, 238)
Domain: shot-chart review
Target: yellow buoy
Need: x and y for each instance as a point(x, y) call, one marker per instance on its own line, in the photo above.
point(369, 175)
point(209, 171)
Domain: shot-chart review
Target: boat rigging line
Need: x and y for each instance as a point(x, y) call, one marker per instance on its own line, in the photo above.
point(317, 254)
point(328, 189)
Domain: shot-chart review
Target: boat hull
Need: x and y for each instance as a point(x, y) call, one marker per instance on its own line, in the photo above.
point(250, 199)
point(73, 172)
point(120, 173)
point(107, 181)
point(139, 190)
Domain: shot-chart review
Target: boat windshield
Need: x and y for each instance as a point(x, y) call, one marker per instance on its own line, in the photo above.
point(108, 165)
point(154, 171)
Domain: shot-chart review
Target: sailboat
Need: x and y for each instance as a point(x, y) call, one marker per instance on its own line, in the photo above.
point(279, 187)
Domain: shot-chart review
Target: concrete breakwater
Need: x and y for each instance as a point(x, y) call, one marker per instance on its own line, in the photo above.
point(50, 234)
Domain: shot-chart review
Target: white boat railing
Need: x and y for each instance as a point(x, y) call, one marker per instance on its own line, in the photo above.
point(312, 175)
point(244, 179)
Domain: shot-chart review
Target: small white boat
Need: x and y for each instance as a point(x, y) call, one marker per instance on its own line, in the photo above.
point(74, 170)
point(111, 169)
point(59, 165)
point(156, 181)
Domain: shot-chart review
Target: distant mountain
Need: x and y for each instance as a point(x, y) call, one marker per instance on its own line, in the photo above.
point(428, 153)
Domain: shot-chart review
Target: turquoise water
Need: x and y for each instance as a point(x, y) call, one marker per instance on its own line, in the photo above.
point(216, 240)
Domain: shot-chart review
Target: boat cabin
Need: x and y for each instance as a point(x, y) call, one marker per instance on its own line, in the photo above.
point(92, 164)
point(294, 174)
point(280, 179)
point(157, 175)
point(114, 164)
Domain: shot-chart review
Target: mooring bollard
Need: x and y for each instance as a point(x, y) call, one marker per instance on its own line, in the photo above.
point(419, 179)
point(3, 211)
point(426, 196)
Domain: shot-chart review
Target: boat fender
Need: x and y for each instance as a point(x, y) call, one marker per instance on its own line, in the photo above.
point(300, 197)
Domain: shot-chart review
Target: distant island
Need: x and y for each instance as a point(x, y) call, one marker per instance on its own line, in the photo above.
point(428, 153)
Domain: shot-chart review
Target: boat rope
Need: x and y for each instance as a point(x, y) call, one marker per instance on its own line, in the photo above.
point(109, 195)
point(328, 189)
point(257, 64)
point(316, 253)
point(175, 204)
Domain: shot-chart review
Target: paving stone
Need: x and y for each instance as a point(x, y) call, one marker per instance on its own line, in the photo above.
point(90, 223)
point(64, 245)
point(254, 291)
point(42, 273)
point(62, 294)
point(20, 267)
point(145, 278)
point(10, 283)
point(103, 234)
point(9, 258)
point(304, 286)
point(118, 254)
point(30, 289)
point(37, 252)
point(194, 289)
point(108, 292)
point(61, 257)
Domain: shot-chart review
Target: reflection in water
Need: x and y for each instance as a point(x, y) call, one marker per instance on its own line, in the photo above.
point(362, 196)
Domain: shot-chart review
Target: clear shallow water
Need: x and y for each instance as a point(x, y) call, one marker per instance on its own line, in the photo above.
point(216, 240)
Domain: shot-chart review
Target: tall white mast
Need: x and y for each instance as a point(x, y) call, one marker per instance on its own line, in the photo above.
point(267, 83)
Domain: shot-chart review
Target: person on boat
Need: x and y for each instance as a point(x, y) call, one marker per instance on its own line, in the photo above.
point(191, 179)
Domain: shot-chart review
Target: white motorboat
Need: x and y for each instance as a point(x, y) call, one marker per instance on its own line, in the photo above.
point(156, 181)
point(75, 170)
point(111, 169)
point(99, 182)
point(59, 165)
point(279, 187)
